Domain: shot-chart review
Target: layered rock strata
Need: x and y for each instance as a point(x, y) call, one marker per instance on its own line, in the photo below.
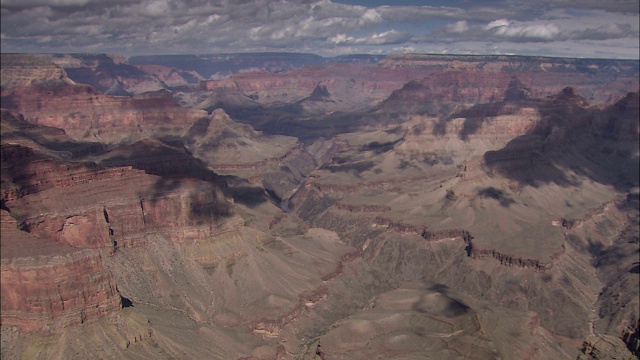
point(45, 97)
point(53, 286)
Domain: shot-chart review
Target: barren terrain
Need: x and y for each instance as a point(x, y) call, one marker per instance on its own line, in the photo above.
point(299, 207)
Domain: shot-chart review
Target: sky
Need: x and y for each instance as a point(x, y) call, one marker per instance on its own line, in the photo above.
point(560, 28)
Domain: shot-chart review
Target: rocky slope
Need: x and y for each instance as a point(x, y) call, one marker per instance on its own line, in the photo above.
point(370, 96)
point(473, 79)
point(275, 92)
point(469, 211)
point(113, 75)
point(46, 95)
point(481, 193)
point(47, 284)
point(148, 229)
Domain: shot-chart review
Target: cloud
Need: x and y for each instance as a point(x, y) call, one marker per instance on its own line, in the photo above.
point(621, 6)
point(557, 25)
point(458, 27)
point(35, 3)
point(320, 26)
point(606, 32)
point(497, 24)
point(507, 29)
point(384, 38)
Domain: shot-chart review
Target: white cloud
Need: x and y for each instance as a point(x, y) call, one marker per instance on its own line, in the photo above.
point(458, 27)
point(340, 39)
point(154, 8)
point(321, 26)
point(383, 38)
point(535, 31)
point(497, 23)
point(370, 16)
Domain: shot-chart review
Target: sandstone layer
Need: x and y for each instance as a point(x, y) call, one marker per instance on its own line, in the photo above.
point(470, 207)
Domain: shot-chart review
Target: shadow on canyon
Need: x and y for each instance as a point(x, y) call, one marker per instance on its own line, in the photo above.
point(572, 140)
point(496, 194)
point(446, 305)
point(308, 128)
point(174, 164)
point(50, 137)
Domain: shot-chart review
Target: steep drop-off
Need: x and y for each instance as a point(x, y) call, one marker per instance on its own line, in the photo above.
point(472, 207)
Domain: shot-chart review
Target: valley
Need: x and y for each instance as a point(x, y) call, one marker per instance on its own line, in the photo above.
point(292, 206)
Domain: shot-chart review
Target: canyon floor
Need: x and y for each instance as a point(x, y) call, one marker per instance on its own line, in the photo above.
point(400, 207)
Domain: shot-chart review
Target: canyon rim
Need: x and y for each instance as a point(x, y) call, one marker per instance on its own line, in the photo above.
point(293, 206)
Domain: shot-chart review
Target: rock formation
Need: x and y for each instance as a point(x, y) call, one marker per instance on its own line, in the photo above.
point(471, 207)
point(46, 95)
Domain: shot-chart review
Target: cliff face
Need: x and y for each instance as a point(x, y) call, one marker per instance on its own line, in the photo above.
point(513, 163)
point(27, 70)
point(77, 213)
point(111, 74)
point(462, 209)
point(56, 291)
point(48, 284)
point(358, 97)
point(424, 81)
point(352, 85)
point(46, 97)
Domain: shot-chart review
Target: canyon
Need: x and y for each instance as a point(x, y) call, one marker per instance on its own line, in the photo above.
point(289, 206)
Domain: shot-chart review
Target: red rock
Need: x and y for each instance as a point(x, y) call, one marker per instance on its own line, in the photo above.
point(47, 284)
point(45, 95)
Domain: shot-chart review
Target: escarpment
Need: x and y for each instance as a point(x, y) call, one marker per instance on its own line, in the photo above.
point(308, 299)
point(508, 260)
point(472, 251)
point(423, 204)
point(99, 116)
point(58, 291)
point(45, 98)
point(49, 284)
point(64, 222)
point(26, 172)
point(177, 205)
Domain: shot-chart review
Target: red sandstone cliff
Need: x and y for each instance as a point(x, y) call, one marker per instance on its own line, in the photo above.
point(60, 219)
point(45, 95)
point(417, 83)
point(47, 284)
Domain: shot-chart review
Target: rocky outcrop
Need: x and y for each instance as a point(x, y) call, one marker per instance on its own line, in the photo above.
point(109, 73)
point(472, 250)
point(508, 260)
point(182, 208)
point(51, 98)
point(399, 227)
point(365, 208)
point(354, 86)
point(604, 347)
point(112, 74)
point(159, 158)
point(631, 337)
point(22, 70)
point(447, 234)
point(56, 290)
point(420, 82)
point(66, 219)
point(549, 75)
point(309, 298)
point(25, 172)
point(45, 284)
point(329, 187)
point(379, 95)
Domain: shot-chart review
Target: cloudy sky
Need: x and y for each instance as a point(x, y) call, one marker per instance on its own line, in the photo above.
point(576, 28)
